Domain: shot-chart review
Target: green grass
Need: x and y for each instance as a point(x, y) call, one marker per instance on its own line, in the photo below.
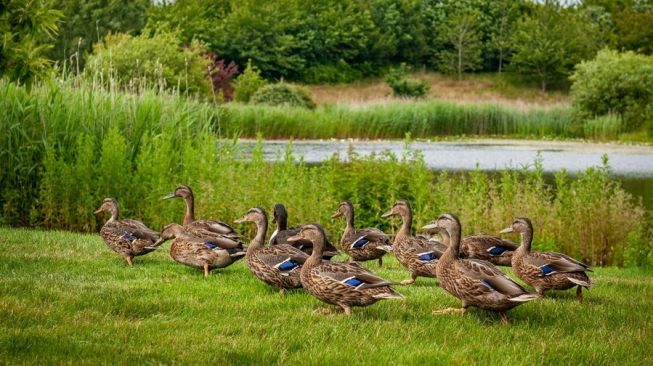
point(66, 298)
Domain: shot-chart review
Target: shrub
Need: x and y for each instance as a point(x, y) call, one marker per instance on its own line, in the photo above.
point(248, 83)
point(282, 94)
point(220, 73)
point(150, 59)
point(404, 87)
point(618, 83)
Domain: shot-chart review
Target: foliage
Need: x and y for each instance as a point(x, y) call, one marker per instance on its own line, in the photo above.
point(548, 43)
point(88, 21)
point(460, 33)
point(157, 59)
point(615, 83)
point(220, 73)
point(402, 86)
point(248, 83)
point(26, 30)
point(283, 94)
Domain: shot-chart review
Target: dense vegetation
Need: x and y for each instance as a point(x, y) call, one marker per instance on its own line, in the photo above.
point(66, 149)
point(66, 298)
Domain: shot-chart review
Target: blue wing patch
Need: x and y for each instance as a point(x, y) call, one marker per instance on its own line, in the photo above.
point(353, 281)
point(211, 245)
point(427, 256)
point(546, 270)
point(287, 265)
point(486, 283)
point(128, 236)
point(360, 243)
point(496, 250)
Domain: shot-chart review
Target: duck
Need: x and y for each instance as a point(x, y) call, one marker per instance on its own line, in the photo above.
point(475, 282)
point(276, 265)
point(485, 247)
point(283, 232)
point(341, 284)
point(361, 244)
point(215, 231)
point(129, 238)
point(546, 270)
point(197, 252)
point(417, 253)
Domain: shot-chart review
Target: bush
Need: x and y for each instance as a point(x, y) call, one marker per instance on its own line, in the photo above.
point(339, 72)
point(404, 87)
point(282, 94)
point(618, 83)
point(248, 83)
point(150, 59)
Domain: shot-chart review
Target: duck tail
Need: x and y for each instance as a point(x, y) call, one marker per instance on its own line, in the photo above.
point(525, 297)
point(392, 294)
point(586, 284)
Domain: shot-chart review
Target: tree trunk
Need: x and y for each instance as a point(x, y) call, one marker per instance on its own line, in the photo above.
point(460, 62)
point(543, 85)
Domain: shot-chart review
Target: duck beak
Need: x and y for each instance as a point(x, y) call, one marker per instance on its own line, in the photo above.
point(389, 213)
point(160, 241)
point(171, 195)
point(506, 230)
point(240, 220)
point(295, 238)
point(431, 226)
point(336, 215)
point(97, 211)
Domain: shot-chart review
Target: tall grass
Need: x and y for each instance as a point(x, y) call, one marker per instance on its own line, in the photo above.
point(80, 146)
point(394, 120)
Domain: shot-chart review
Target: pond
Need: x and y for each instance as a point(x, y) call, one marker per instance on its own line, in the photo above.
point(632, 164)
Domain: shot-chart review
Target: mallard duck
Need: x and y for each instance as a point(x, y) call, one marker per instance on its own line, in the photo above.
point(477, 283)
point(546, 270)
point(485, 247)
point(214, 231)
point(276, 265)
point(341, 284)
point(129, 238)
point(361, 244)
point(282, 233)
point(416, 253)
point(196, 252)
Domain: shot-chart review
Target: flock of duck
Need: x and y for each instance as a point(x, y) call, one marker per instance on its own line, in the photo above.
point(300, 256)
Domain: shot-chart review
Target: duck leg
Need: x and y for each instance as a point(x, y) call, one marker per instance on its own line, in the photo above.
point(129, 260)
point(411, 280)
point(380, 262)
point(346, 309)
point(206, 270)
point(282, 291)
point(579, 293)
point(504, 318)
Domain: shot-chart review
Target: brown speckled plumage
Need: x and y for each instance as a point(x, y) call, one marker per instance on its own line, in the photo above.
point(266, 263)
point(341, 284)
point(197, 252)
point(209, 230)
point(376, 242)
point(283, 232)
point(129, 238)
point(475, 282)
point(418, 254)
point(546, 270)
point(482, 246)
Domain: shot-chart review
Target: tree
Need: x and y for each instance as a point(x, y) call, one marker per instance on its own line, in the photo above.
point(550, 41)
point(87, 21)
point(461, 33)
point(506, 12)
point(248, 83)
point(27, 28)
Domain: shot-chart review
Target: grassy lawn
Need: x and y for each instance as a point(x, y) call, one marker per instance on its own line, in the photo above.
point(66, 298)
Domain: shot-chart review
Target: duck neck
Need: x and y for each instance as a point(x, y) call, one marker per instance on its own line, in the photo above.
point(454, 241)
point(526, 240)
point(261, 230)
point(407, 223)
point(349, 219)
point(190, 210)
point(282, 223)
point(114, 213)
point(444, 235)
point(316, 255)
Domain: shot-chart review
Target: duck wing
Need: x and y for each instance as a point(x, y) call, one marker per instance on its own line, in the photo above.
point(225, 241)
point(349, 275)
point(214, 226)
point(487, 275)
point(549, 263)
point(486, 243)
point(131, 230)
